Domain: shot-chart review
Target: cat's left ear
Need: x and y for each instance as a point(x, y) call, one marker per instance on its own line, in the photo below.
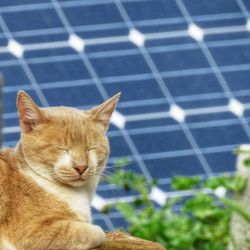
point(102, 113)
point(30, 114)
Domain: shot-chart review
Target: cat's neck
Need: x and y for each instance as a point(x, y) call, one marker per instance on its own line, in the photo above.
point(77, 198)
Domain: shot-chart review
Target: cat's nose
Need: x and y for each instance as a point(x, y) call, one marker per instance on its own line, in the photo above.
point(80, 168)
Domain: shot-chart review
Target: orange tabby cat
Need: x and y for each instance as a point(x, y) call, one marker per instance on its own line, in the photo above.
point(49, 179)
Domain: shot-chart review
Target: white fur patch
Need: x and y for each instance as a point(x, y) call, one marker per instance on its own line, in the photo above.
point(6, 245)
point(64, 159)
point(77, 198)
point(93, 158)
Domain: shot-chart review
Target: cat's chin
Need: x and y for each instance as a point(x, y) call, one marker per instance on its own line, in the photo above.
point(75, 183)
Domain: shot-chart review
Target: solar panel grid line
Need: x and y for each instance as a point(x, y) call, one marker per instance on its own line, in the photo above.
point(125, 52)
point(25, 7)
point(227, 122)
point(157, 115)
point(172, 194)
point(34, 6)
point(215, 96)
point(3, 50)
point(217, 16)
point(108, 223)
point(169, 128)
point(124, 38)
point(95, 41)
point(174, 154)
point(104, 94)
point(79, 3)
point(166, 92)
point(49, 45)
point(199, 71)
point(185, 152)
point(177, 128)
point(243, 8)
point(121, 39)
point(136, 155)
point(213, 65)
point(228, 43)
point(48, 5)
point(226, 29)
point(119, 25)
point(195, 111)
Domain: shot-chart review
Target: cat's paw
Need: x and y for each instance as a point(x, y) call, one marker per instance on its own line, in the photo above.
point(99, 235)
point(95, 238)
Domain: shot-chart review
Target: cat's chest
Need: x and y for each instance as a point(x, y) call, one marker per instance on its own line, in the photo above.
point(77, 199)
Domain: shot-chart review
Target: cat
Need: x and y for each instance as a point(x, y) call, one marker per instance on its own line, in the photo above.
point(48, 180)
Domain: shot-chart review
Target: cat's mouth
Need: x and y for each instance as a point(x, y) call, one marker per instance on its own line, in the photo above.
point(76, 181)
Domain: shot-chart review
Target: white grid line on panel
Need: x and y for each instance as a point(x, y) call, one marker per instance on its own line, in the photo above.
point(41, 6)
point(125, 38)
point(121, 53)
point(155, 129)
point(243, 8)
point(110, 26)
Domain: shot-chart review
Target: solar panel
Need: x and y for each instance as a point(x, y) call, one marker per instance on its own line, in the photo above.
point(183, 68)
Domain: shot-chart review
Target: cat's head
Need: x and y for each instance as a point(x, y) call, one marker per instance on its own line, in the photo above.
point(65, 144)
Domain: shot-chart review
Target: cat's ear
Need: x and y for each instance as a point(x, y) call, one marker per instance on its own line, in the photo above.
point(30, 114)
point(102, 113)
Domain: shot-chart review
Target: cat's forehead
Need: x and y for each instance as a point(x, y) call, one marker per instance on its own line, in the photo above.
point(65, 113)
point(71, 123)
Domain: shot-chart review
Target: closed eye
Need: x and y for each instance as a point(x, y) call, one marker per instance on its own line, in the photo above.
point(63, 149)
point(92, 149)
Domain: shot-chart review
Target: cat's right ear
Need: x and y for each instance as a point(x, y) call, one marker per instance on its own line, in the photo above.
point(30, 114)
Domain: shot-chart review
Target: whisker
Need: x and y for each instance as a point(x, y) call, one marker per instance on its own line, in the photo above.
point(117, 166)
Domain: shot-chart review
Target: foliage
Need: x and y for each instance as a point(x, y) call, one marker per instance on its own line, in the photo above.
point(202, 222)
point(184, 183)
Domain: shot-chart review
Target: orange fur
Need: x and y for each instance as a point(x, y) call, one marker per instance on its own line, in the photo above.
point(44, 201)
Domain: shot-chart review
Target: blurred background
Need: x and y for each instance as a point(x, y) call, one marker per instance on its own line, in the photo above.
point(183, 67)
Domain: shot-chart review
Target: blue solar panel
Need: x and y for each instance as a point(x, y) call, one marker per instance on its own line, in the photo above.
point(194, 54)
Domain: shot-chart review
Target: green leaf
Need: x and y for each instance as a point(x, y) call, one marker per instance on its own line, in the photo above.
point(184, 183)
point(235, 183)
point(215, 182)
point(121, 162)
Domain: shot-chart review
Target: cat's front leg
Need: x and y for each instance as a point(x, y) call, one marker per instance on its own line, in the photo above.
point(67, 235)
point(80, 236)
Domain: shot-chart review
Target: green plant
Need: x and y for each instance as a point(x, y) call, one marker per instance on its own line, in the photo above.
point(202, 222)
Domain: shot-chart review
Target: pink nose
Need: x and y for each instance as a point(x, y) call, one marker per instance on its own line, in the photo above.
point(80, 169)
